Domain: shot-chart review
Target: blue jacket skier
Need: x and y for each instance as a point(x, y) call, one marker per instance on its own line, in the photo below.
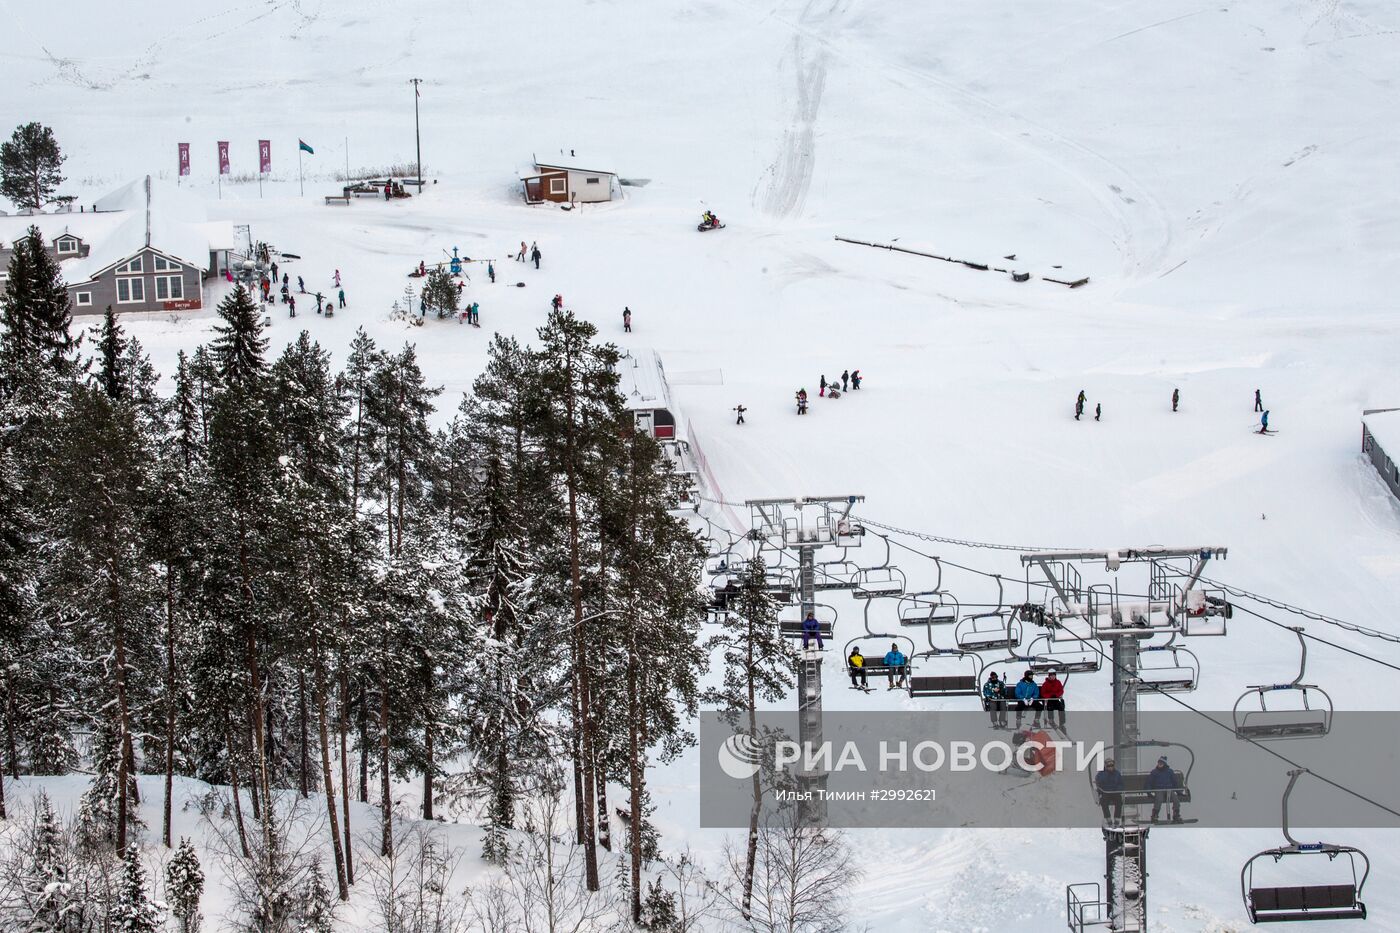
point(896, 662)
point(811, 628)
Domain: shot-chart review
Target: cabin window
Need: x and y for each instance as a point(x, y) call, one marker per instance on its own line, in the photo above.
point(557, 186)
point(592, 181)
point(131, 291)
point(84, 299)
point(164, 265)
point(170, 287)
point(136, 265)
point(66, 244)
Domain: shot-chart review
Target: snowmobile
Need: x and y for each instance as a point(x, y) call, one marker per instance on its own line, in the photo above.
point(709, 222)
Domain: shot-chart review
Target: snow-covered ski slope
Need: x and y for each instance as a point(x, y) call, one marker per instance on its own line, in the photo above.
point(1224, 174)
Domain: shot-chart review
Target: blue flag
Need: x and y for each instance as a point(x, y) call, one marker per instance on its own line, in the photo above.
point(304, 147)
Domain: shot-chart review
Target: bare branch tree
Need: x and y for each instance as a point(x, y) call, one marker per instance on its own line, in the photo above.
point(801, 877)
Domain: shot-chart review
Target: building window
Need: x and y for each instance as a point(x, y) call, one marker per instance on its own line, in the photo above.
point(592, 181)
point(84, 299)
point(136, 265)
point(557, 186)
point(164, 265)
point(131, 291)
point(66, 245)
point(170, 287)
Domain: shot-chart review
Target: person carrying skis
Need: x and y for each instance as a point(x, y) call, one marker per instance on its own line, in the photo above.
point(1258, 401)
point(1053, 693)
point(1264, 423)
point(855, 379)
point(855, 664)
point(740, 409)
point(1176, 398)
point(1028, 695)
point(822, 393)
point(994, 702)
point(1161, 780)
point(811, 628)
point(627, 320)
point(1110, 784)
point(845, 380)
point(898, 665)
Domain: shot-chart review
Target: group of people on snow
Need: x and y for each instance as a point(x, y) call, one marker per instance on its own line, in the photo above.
point(1082, 399)
point(266, 283)
point(850, 381)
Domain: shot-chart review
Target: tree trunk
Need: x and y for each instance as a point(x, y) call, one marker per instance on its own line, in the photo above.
point(364, 746)
point(169, 703)
point(233, 783)
point(305, 738)
point(386, 844)
point(255, 682)
point(123, 735)
point(11, 707)
point(751, 856)
point(320, 685)
point(635, 776)
point(428, 746)
point(345, 768)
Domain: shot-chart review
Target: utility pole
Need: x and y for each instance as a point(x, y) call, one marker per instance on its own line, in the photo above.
point(417, 137)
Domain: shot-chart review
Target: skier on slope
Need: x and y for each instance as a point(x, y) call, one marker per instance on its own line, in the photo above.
point(1264, 423)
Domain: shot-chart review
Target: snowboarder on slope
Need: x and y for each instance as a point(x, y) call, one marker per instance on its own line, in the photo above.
point(1176, 398)
point(897, 663)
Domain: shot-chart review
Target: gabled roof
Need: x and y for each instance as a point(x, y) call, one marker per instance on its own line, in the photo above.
point(168, 199)
point(566, 159)
point(642, 381)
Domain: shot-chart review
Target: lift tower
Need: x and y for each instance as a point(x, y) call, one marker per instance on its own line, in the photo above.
point(1096, 612)
point(802, 527)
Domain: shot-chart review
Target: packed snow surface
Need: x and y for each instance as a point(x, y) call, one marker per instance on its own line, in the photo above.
point(1223, 174)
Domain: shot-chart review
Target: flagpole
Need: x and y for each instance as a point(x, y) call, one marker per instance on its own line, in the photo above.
point(301, 181)
point(417, 137)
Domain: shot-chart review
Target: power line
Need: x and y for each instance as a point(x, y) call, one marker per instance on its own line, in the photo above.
point(1305, 613)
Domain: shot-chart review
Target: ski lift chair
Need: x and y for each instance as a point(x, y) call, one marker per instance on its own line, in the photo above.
point(1338, 901)
point(875, 663)
point(959, 674)
point(1206, 612)
point(1178, 672)
point(1135, 790)
point(1310, 718)
point(988, 631)
point(872, 582)
point(922, 608)
point(790, 624)
point(1045, 656)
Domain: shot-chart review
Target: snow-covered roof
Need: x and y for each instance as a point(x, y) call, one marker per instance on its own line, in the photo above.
point(566, 159)
point(168, 199)
point(1384, 426)
point(642, 381)
point(88, 227)
point(220, 234)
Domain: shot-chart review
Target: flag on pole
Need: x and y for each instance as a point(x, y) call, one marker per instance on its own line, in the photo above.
point(184, 158)
point(305, 148)
point(264, 156)
point(223, 157)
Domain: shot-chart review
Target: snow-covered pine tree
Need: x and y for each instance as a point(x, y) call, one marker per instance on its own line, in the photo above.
point(134, 911)
point(106, 800)
point(440, 292)
point(184, 886)
point(312, 525)
point(317, 910)
point(755, 668)
point(581, 408)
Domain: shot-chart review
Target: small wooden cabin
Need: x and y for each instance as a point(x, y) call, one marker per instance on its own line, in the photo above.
point(566, 178)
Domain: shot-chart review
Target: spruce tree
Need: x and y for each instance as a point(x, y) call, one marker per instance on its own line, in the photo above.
point(184, 886)
point(134, 911)
point(440, 292)
point(317, 910)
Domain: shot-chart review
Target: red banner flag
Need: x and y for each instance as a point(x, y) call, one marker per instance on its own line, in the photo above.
point(184, 158)
point(264, 156)
point(223, 157)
